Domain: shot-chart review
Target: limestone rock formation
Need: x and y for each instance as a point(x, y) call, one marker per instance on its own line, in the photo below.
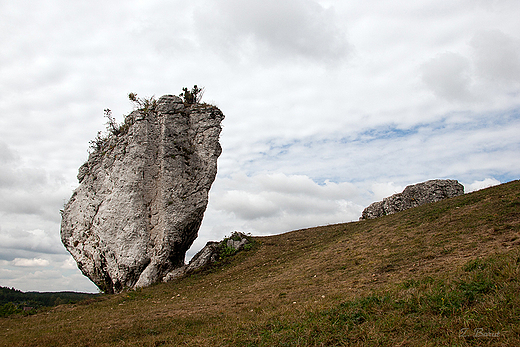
point(211, 253)
point(414, 195)
point(142, 195)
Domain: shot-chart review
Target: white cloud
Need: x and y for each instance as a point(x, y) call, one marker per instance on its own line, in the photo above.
point(477, 185)
point(448, 76)
point(497, 56)
point(44, 272)
point(69, 264)
point(20, 243)
point(29, 190)
point(48, 279)
point(30, 262)
point(247, 205)
point(271, 203)
point(272, 29)
point(384, 190)
point(6, 154)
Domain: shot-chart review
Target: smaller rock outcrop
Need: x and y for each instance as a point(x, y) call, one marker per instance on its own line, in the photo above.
point(412, 196)
point(211, 253)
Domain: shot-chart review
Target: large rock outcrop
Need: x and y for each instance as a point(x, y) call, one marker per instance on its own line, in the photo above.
point(142, 195)
point(414, 195)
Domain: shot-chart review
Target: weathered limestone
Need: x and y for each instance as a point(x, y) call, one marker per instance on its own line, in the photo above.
point(211, 253)
point(143, 194)
point(414, 195)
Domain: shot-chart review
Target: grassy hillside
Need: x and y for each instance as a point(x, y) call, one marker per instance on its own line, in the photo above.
point(440, 274)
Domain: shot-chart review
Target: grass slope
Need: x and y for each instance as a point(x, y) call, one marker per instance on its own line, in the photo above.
point(440, 274)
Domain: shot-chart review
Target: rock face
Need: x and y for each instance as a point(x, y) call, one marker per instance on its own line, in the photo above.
point(414, 195)
point(142, 195)
point(211, 253)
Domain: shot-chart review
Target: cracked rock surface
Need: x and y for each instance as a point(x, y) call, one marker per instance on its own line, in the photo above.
point(143, 194)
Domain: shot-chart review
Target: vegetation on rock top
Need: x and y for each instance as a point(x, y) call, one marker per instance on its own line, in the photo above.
point(143, 105)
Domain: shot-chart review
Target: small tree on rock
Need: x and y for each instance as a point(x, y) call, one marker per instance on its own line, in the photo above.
point(192, 96)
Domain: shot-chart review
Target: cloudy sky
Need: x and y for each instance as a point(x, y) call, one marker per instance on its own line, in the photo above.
point(330, 105)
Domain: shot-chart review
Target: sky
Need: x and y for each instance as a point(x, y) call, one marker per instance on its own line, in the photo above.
point(330, 106)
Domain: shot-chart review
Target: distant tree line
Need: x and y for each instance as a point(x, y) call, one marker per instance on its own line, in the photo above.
point(13, 301)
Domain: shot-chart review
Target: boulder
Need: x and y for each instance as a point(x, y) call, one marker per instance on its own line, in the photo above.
point(211, 253)
point(142, 195)
point(414, 195)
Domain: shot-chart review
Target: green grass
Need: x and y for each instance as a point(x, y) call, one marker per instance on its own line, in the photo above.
point(444, 274)
point(419, 310)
